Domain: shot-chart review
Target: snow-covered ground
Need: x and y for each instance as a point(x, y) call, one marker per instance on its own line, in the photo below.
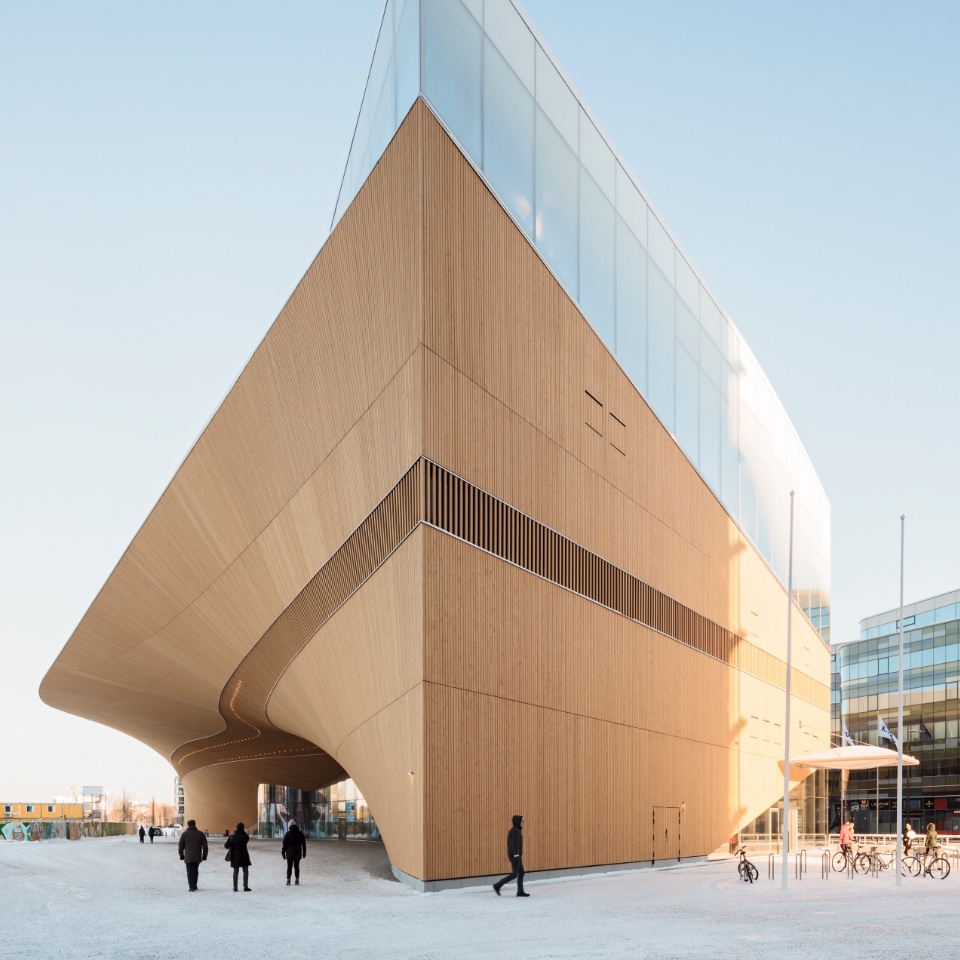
point(116, 898)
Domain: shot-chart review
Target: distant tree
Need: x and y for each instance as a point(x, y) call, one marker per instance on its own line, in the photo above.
point(165, 813)
point(121, 810)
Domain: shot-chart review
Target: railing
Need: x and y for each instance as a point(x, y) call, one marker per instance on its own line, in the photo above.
point(827, 846)
point(763, 842)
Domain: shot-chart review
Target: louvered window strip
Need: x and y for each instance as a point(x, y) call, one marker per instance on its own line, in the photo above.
point(467, 512)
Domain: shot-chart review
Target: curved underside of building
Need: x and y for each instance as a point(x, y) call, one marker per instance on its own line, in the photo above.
point(435, 539)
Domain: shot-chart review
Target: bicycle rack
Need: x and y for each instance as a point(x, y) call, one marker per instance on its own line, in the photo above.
point(771, 866)
point(825, 867)
point(799, 865)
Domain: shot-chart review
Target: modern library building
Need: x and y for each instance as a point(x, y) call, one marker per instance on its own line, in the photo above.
point(496, 516)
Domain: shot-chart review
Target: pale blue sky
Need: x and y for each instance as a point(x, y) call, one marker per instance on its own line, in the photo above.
point(168, 171)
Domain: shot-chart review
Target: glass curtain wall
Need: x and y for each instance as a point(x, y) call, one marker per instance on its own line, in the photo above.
point(810, 798)
point(498, 91)
point(393, 85)
point(866, 689)
point(328, 813)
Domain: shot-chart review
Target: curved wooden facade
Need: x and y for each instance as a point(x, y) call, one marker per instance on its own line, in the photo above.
point(435, 539)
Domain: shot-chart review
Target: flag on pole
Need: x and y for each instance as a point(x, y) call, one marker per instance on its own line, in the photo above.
point(883, 731)
point(925, 734)
point(846, 735)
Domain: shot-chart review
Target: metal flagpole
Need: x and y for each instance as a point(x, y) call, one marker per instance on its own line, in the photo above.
point(900, 820)
point(785, 819)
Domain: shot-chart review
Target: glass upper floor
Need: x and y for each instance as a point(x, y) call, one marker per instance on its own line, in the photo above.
point(938, 609)
point(931, 654)
point(491, 81)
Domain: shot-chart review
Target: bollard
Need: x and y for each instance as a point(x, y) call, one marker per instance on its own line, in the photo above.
point(825, 868)
point(850, 869)
point(771, 866)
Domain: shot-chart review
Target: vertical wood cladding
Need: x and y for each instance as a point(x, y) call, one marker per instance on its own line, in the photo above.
point(247, 731)
point(498, 628)
point(428, 493)
point(542, 703)
point(530, 709)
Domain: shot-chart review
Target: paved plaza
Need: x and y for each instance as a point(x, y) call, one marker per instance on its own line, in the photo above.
point(115, 898)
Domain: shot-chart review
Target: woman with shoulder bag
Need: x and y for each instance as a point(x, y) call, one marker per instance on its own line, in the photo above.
point(239, 856)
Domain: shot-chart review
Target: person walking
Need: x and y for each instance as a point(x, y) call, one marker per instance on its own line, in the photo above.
point(239, 856)
point(909, 835)
point(150, 834)
point(142, 833)
point(846, 837)
point(515, 856)
point(293, 849)
point(930, 845)
point(193, 851)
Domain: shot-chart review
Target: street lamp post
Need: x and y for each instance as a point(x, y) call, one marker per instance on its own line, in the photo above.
point(900, 717)
point(785, 820)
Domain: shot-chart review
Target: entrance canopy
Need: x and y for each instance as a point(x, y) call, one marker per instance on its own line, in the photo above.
point(850, 758)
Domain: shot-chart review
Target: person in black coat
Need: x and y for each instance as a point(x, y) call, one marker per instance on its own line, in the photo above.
point(293, 849)
point(142, 833)
point(193, 850)
point(515, 856)
point(238, 856)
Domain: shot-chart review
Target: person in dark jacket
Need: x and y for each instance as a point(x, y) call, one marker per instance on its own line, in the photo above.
point(293, 849)
point(193, 850)
point(238, 856)
point(150, 834)
point(142, 833)
point(515, 856)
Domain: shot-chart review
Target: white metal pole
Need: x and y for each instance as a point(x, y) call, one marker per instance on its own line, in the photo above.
point(900, 820)
point(785, 819)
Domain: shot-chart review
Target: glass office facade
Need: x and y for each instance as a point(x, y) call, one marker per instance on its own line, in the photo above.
point(865, 689)
point(496, 88)
point(335, 811)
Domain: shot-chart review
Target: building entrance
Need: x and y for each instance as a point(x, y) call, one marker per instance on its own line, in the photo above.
point(666, 833)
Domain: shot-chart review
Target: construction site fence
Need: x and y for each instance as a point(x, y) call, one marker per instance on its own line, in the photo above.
point(34, 831)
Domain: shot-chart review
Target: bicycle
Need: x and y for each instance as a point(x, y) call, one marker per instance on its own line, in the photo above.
point(874, 859)
point(917, 865)
point(844, 856)
point(747, 871)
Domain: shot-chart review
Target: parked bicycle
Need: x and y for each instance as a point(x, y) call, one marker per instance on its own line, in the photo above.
point(922, 864)
point(874, 859)
point(746, 870)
